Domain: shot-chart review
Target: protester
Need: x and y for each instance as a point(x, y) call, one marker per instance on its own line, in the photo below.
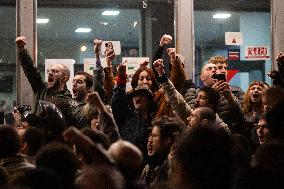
point(58, 75)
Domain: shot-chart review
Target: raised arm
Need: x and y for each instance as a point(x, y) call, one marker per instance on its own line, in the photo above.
point(106, 121)
point(119, 103)
point(109, 79)
point(31, 72)
point(98, 73)
point(95, 152)
point(177, 73)
point(165, 40)
point(173, 97)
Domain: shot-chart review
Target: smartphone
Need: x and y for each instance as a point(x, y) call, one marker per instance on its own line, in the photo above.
point(109, 46)
point(219, 77)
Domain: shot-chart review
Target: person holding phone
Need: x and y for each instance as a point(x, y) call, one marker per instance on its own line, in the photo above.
point(222, 73)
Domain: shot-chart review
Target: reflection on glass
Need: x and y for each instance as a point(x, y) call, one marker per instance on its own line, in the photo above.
point(251, 20)
point(7, 59)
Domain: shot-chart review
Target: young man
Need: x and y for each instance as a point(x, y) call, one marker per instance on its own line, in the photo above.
point(82, 85)
point(202, 116)
point(55, 87)
point(163, 136)
point(229, 108)
point(222, 68)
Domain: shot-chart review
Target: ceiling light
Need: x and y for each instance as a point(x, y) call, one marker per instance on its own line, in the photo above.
point(42, 20)
point(83, 30)
point(110, 13)
point(222, 15)
point(83, 48)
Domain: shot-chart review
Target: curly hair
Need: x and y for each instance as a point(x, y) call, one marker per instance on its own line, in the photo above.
point(247, 104)
point(218, 59)
point(135, 78)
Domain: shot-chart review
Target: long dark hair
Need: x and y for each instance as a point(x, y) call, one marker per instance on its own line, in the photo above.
point(135, 78)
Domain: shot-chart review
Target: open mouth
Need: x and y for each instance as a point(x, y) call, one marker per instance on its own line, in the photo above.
point(74, 91)
point(50, 79)
point(138, 101)
point(256, 95)
point(150, 149)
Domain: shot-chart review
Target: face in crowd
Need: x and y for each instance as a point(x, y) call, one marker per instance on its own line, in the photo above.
point(57, 77)
point(156, 145)
point(145, 79)
point(140, 102)
point(80, 89)
point(262, 131)
point(222, 68)
point(194, 118)
point(206, 74)
point(201, 100)
point(255, 92)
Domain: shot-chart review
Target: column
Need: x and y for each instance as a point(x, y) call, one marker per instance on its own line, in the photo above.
point(26, 13)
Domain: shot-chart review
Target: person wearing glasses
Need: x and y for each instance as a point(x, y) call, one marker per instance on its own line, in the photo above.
point(54, 88)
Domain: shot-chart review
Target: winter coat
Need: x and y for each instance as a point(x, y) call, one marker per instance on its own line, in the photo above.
point(39, 87)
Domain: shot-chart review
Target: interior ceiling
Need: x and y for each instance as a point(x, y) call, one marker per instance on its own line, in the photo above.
point(65, 17)
point(251, 5)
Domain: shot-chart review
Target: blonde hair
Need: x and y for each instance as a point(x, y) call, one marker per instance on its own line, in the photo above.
point(218, 59)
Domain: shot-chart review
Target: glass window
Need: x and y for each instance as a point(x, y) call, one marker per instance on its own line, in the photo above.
point(247, 48)
point(7, 56)
point(137, 25)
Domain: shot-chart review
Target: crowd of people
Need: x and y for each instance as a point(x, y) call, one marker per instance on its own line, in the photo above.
point(165, 132)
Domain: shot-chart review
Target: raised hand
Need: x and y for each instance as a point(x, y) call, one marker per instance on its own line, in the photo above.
point(165, 40)
point(97, 45)
point(110, 56)
point(144, 63)
point(159, 66)
point(121, 68)
point(172, 53)
point(280, 57)
point(21, 42)
point(94, 99)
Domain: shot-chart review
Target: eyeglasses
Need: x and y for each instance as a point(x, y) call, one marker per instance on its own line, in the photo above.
point(54, 71)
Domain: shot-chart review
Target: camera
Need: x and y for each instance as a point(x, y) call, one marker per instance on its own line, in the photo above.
point(219, 77)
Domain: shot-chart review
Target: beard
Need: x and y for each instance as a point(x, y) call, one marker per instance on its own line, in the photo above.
point(55, 85)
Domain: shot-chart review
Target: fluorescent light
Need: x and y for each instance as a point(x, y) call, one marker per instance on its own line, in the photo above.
point(222, 15)
point(110, 13)
point(83, 48)
point(83, 30)
point(42, 20)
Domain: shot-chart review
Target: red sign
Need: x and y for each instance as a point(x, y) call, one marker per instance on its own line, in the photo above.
point(234, 54)
point(257, 52)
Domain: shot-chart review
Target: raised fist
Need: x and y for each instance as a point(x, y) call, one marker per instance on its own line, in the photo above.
point(165, 40)
point(97, 45)
point(121, 68)
point(159, 66)
point(144, 63)
point(21, 42)
point(94, 99)
point(172, 53)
